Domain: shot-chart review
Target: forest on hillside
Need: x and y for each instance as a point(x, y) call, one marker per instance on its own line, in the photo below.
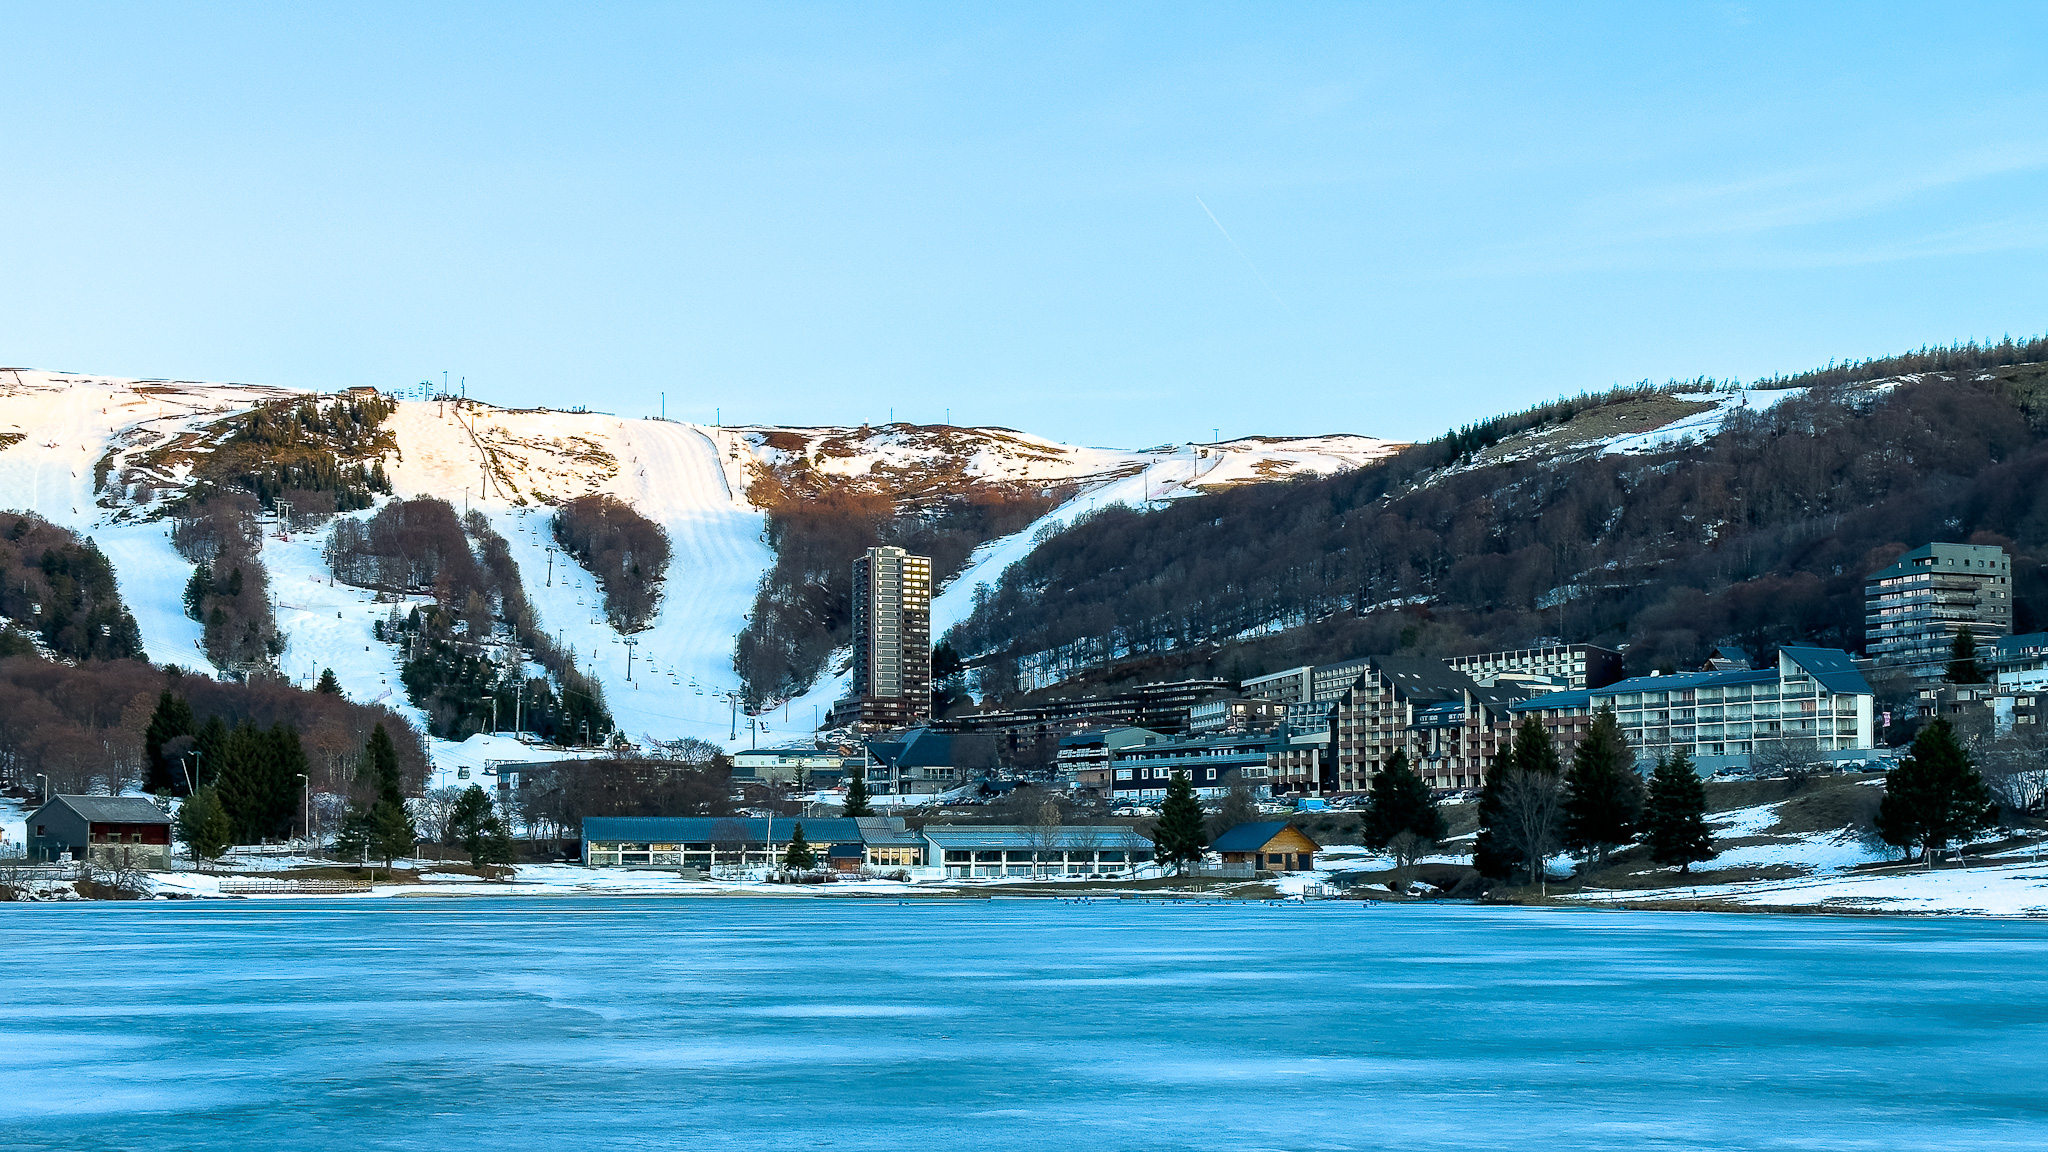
point(319, 458)
point(623, 549)
point(60, 588)
point(1759, 536)
point(465, 653)
point(92, 726)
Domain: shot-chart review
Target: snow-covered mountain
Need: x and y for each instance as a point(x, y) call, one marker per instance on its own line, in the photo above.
point(102, 455)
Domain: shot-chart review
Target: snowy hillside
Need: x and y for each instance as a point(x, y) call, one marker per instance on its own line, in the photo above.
point(513, 464)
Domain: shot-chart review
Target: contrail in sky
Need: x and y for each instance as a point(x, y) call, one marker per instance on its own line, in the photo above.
point(1240, 254)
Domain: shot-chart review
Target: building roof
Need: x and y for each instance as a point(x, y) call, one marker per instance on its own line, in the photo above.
point(114, 809)
point(919, 748)
point(1252, 837)
point(881, 831)
point(1420, 678)
point(1679, 680)
point(1936, 551)
point(2011, 646)
point(1831, 666)
point(787, 754)
point(1211, 750)
point(1576, 698)
point(1025, 836)
point(704, 829)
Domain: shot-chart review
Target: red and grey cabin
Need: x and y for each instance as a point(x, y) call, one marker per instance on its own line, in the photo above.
point(111, 831)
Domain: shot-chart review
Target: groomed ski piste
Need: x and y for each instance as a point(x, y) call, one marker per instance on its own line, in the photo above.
point(512, 465)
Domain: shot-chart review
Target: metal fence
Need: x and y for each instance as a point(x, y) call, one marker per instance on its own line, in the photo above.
point(257, 886)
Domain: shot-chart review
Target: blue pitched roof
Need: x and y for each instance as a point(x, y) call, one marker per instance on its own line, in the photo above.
point(2009, 646)
point(1831, 666)
point(1249, 837)
point(921, 748)
point(703, 829)
point(1576, 698)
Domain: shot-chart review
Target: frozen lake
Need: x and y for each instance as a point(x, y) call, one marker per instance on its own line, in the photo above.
point(581, 1024)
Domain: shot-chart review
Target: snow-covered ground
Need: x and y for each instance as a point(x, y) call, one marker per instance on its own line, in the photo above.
point(2019, 889)
point(544, 880)
point(1699, 425)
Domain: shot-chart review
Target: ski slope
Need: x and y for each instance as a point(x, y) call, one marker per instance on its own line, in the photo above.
point(672, 680)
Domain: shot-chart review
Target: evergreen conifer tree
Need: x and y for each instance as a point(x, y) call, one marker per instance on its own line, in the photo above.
point(1490, 856)
point(466, 821)
point(494, 845)
point(1399, 813)
point(799, 857)
point(197, 589)
point(172, 719)
point(1935, 795)
point(1603, 795)
point(258, 781)
point(857, 796)
point(203, 825)
point(476, 826)
point(210, 747)
point(1962, 660)
point(1178, 838)
point(328, 686)
point(1674, 822)
point(383, 829)
point(241, 782)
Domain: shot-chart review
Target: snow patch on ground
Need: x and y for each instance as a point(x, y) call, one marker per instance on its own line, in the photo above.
point(1699, 425)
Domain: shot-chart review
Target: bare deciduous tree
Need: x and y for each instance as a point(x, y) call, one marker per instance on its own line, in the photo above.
point(1792, 756)
point(1533, 805)
point(1044, 834)
point(729, 838)
point(2015, 767)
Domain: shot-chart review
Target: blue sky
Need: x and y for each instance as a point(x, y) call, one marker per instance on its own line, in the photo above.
point(1119, 224)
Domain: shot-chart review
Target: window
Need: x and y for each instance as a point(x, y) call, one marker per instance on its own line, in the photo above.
point(1123, 773)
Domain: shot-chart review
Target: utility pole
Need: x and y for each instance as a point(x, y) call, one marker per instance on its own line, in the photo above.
point(733, 696)
point(551, 565)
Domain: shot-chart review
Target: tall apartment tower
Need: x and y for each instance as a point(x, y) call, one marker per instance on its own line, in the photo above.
point(1913, 609)
point(892, 640)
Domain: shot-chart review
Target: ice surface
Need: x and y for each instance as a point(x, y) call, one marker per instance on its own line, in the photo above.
point(616, 1023)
